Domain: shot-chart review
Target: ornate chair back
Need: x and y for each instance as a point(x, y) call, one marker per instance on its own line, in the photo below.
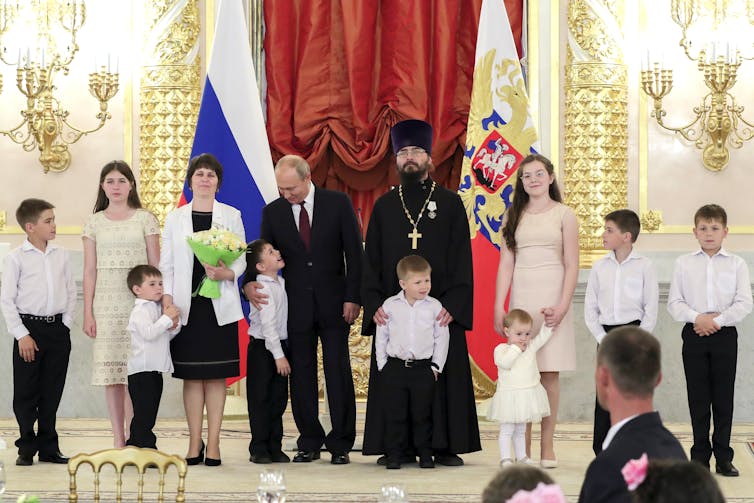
point(119, 459)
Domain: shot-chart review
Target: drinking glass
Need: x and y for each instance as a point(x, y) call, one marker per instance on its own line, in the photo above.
point(392, 493)
point(271, 486)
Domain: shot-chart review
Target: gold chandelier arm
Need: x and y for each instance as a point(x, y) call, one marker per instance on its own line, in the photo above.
point(73, 134)
point(8, 12)
point(71, 18)
point(742, 134)
point(691, 131)
point(17, 135)
point(684, 13)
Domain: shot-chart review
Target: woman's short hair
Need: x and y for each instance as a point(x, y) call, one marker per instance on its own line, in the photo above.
point(208, 161)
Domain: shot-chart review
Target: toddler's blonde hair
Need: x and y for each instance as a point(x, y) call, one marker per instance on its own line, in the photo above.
point(518, 315)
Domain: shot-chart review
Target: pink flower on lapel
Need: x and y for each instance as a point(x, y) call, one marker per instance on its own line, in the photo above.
point(635, 471)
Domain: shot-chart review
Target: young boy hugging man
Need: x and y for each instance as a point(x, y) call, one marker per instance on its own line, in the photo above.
point(151, 330)
point(710, 291)
point(411, 350)
point(267, 364)
point(38, 297)
point(621, 290)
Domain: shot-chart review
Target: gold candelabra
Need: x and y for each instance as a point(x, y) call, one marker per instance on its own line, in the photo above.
point(719, 121)
point(45, 124)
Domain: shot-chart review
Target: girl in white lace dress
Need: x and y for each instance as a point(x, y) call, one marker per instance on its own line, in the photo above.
point(520, 397)
point(118, 236)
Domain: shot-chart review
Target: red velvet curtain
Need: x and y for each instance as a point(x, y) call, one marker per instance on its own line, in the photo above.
point(340, 73)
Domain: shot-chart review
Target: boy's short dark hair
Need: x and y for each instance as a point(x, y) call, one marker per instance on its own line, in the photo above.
point(254, 251)
point(626, 221)
point(633, 357)
point(518, 315)
point(139, 274)
point(711, 212)
point(412, 264)
point(29, 210)
point(512, 479)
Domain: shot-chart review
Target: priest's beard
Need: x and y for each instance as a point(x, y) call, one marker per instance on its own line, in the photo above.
point(414, 176)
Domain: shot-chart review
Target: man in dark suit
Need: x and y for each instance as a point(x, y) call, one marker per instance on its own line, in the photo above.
point(318, 236)
point(628, 370)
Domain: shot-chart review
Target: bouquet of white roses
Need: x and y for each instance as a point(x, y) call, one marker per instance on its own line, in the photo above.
point(210, 247)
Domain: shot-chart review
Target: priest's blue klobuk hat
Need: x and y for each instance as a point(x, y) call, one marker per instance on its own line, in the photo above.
point(411, 133)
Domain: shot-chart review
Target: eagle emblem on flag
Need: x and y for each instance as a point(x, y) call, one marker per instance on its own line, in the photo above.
point(499, 135)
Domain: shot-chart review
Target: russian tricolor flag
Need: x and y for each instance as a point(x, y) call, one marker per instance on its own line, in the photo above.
point(231, 127)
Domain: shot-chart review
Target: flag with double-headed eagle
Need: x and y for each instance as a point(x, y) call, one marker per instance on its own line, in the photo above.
point(500, 133)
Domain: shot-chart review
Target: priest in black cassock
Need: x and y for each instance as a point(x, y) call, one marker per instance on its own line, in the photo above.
point(421, 217)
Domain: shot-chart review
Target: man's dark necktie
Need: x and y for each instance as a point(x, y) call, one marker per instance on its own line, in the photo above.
point(304, 227)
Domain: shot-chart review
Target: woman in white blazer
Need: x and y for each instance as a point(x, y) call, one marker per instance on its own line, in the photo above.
point(205, 351)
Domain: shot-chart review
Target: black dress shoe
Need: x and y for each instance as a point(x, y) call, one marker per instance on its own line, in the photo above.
point(726, 469)
point(392, 464)
point(24, 460)
point(212, 462)
point(305, 456)
point(340, 459)
point(56, 458)
point(280, 457)
point(447, 459)
point(405, 459)
point(261, 459)
point(426, 462)
point(196, 459)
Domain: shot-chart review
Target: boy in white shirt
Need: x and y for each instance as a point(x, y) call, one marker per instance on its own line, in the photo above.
point(710, 292)
point(151, 330)
point(38, 298)
point(267, 362)
point(621, 290)
point(411, 350)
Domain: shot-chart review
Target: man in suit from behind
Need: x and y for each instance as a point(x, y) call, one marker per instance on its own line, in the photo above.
point(318, 236)
point(628, 371)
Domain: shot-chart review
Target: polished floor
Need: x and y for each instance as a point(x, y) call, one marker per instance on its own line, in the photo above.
point(236, 480)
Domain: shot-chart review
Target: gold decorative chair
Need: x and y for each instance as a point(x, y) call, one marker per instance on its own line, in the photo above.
point(120, 458)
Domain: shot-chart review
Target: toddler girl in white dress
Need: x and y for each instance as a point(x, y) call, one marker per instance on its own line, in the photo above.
point(519, 398)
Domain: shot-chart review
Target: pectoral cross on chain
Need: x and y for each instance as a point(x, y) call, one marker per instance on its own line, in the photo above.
point(414, 236)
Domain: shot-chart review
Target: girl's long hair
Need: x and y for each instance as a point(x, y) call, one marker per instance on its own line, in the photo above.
point(521, 199)
point(121, 167)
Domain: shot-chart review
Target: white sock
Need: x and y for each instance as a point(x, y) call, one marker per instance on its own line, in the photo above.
point(504, 439)
point(519, 440)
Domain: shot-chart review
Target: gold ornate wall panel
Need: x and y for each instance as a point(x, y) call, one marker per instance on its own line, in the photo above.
point(596, 118)
point(170, 95)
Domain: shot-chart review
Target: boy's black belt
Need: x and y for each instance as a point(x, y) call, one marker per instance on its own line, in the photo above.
point(413, 363)
point(53, 318)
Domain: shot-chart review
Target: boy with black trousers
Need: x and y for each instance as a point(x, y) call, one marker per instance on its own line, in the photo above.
point(710, 291)
point(411, 350)
point(621, 290)
point(151, 328)
point(38, 298)
point(267, 360)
